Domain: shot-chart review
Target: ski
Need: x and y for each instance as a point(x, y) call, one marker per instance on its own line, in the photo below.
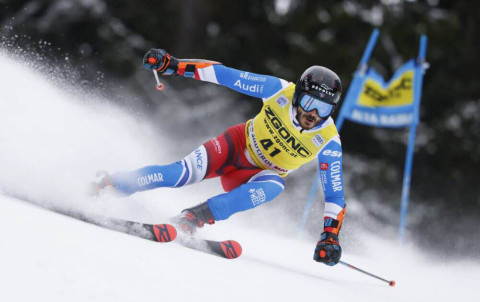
point(155, 232)
point(229, 249)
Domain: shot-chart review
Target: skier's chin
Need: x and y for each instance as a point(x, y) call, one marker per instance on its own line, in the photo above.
point(308, 123)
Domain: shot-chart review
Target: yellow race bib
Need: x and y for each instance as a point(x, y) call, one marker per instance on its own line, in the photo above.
point(273, 141)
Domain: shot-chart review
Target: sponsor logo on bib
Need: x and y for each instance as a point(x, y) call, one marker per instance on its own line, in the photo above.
point(318, 140)
point(282, 101)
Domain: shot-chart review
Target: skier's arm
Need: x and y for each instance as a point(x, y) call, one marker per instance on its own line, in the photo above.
point(331, 176)
point(256, 85)
point(328, 249)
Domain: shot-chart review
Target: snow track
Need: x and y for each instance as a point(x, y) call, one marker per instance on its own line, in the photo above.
point(51, 144)
point(47, 256)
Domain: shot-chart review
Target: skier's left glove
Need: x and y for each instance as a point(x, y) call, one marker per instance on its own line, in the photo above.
point(160, 60)
point(328, 249)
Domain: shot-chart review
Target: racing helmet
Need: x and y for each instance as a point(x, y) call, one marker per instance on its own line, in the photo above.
point(318, 88)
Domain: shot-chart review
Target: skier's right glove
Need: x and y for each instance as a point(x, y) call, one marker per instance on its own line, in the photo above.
point(160, 60)
point(328, 250)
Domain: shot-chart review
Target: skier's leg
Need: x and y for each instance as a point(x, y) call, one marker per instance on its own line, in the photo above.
point(218, 156)
point(262, 187)
point(190, 169)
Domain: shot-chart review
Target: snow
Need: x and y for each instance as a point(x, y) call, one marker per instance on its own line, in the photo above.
point(53, 141)
point(45, 255)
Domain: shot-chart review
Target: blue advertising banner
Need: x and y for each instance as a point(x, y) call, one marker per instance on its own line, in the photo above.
point(377, 103)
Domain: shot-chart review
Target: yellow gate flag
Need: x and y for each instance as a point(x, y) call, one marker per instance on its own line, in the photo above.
point(399, 92)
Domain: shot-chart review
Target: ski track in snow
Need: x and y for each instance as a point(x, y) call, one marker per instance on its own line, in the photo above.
point(53, 142)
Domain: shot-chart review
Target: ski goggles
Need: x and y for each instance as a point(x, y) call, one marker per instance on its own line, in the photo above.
point(309, 102)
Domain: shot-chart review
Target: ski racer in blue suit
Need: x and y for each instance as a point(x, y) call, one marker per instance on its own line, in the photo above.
point(251, 159)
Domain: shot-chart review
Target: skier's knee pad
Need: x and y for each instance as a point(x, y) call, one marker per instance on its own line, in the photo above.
point(196, 163)
point(261, 188)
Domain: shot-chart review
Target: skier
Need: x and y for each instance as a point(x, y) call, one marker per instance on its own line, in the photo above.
point(251, 159)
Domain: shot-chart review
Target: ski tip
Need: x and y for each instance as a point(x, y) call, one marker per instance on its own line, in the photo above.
point(231, 249)
point(164, 232)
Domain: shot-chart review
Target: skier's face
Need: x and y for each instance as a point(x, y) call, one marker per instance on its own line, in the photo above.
point(307, 119)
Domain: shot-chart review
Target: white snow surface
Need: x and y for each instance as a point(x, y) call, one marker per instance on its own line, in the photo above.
point(51, 144)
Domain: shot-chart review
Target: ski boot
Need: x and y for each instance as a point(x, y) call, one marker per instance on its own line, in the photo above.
point(104, 184)
point(192, 218)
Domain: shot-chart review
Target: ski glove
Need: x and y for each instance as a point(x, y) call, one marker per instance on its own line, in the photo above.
point(328, 250)
point(160, 60)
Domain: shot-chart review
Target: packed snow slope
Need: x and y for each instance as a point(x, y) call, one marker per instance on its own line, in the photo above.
point(52, 141)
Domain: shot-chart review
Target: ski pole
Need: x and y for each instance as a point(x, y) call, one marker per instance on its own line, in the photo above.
point(391, 283)
point(159, 84)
